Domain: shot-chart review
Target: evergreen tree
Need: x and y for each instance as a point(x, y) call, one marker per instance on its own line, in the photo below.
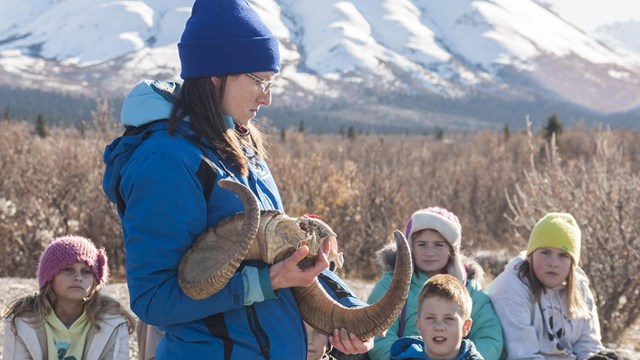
point(342, 131)
point(439, 133)
point(41, 126)
point(554, 126)
point(507, 132)
point(351, 133)
point(301, 126)
point(283, 135)
point(82, 127)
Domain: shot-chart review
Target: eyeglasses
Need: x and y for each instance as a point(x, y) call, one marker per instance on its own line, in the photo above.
point(264, 84)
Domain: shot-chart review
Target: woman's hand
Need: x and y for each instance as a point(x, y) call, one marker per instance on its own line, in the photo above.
point(349, 343)
point(286, 273)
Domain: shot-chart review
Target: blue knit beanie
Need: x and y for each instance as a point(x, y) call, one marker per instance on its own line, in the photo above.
point(225, 37)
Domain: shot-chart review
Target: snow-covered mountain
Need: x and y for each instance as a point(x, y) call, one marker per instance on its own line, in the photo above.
point(345, 58)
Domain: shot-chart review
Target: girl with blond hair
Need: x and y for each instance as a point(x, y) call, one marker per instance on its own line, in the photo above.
point(68, 318)
point(543, 298)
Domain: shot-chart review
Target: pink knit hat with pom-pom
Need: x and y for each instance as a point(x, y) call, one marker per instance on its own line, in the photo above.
point(446, 224)
point(68, 250)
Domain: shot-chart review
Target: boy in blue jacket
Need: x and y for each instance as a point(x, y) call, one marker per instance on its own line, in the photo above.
point(444, 320)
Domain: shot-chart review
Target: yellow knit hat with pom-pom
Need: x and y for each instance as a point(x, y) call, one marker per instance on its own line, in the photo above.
point(556, 230)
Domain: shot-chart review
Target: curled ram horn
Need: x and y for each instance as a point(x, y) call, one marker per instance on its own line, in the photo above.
point(216, 254)
point(272, 236)
point(324, 314)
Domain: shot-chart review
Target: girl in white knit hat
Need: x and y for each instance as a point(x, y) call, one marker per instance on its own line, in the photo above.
point(543, 297)
point(434, 235)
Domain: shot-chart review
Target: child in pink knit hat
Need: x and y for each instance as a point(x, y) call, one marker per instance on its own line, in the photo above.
point(68, 318)
point(435, 236)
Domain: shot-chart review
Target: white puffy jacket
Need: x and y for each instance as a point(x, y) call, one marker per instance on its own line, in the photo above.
point(111, 342)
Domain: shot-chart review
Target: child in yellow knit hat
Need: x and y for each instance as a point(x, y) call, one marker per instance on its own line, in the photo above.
point(543, 294)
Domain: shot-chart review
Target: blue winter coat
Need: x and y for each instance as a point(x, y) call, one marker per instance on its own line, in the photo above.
point(162, 209)
point(412, 348)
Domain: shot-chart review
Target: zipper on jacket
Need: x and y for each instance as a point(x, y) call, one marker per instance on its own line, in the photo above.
point(218, 329)
point(261, 336)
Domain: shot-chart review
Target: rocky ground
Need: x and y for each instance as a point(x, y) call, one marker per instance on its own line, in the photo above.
point(12, 288)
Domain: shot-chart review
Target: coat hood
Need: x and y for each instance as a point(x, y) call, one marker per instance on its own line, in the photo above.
point(408, 347)
point(386, 257)
point(117, 154)
point(147, 102)
point(412, 347)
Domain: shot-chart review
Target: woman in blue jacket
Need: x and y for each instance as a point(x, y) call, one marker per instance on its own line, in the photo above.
point(163, 178)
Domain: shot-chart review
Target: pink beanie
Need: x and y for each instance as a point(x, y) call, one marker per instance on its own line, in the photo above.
point(68, 250)
point(446, 224)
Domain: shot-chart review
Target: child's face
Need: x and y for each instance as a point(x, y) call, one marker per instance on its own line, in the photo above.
point(430, 251)
point(316, 343)
point(551, 266)
point(442, 327)
point(73, 283)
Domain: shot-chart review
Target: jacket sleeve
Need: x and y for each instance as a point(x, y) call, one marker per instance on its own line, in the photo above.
point(165, 213)
point(382, 344)
point(338, 289)
point(590, 341)
point(486, 331)
point(13, 347)
point(513, 304)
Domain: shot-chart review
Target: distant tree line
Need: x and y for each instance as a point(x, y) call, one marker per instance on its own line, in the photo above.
point(479, 111)
point(474, 112)
point(55, 108)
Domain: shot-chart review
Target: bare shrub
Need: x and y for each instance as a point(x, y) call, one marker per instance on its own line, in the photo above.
point(352, 184)
point(365, 188)
point(50, 187)
point(602, 191)
point(369, 186)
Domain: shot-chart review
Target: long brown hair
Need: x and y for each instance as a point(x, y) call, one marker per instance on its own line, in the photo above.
point(201, 102)
point(574, 302)
point(35, 308)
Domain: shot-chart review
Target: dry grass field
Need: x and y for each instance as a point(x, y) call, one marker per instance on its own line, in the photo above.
point(629, 344)
point(365, 188)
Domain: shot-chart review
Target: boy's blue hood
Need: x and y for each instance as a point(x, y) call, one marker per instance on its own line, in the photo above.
point(408, 347)
point(412, 347)
point(148, 101)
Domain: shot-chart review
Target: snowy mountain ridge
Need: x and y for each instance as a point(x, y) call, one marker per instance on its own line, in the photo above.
point(450, 49)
